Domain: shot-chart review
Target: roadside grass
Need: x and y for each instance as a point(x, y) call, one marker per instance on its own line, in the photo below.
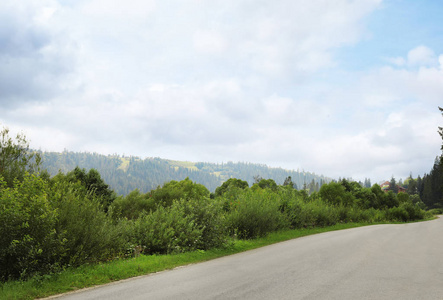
point(98, 274)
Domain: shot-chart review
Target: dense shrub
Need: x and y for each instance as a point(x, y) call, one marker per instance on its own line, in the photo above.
point(325, 215)
point(89, 233)
point(413, 210)
point(93, 183)
point(310, 214)
point(255, 214)
point(397, 214)
point(183, 226)
point(366, 199)
point(336, 194)
point(29, 243)
point(266, 184)
point(314, 213)
point(131, 206)
point(166, 230)
point(15, 158)
point(406, 211)
point(436, 211)
point(175, 190)
point(208, 217)
point(231, 186)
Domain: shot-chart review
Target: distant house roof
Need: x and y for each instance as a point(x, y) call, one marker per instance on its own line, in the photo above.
point(385, 186)
point(401, 189)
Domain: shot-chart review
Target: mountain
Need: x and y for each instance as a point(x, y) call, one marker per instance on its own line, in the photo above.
point(127, 173)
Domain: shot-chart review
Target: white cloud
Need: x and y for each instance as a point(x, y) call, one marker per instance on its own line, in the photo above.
point(398, 61)
point(37, 61)
point(209, 42)
point(218, 80)
point(115, 10)
point(421, 56)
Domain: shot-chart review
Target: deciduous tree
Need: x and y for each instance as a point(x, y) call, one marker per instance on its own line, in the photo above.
point(15, 157)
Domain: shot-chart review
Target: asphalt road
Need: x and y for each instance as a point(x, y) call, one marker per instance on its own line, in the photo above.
point(374, 262)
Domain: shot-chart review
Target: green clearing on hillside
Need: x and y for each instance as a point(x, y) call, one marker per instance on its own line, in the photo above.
point(183, 164)
point(125, 164)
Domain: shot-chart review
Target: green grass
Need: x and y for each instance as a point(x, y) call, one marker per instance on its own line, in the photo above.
point(92, 275)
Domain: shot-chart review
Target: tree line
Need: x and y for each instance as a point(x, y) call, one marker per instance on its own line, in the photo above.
point(124, 174)
point(429, 188)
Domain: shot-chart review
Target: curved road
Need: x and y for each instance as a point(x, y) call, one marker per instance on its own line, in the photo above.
point(373, 262)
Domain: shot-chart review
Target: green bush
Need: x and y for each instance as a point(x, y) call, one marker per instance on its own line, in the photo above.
point(29, 243)
point(336, 194)
point(15, 158)
point(175, 190)
point(413, 210)
point(366, 199)
point(208, 217)
point(166, 230)
point(131, 206)
point(397, 214)
point(406, 211)
point(90, 234)
point(185, 225)
point(94, 184)
point(313, 213)
point(256, 213)
point(436, 211)
point(231, 186)
point(266, 184)
point(326, 216)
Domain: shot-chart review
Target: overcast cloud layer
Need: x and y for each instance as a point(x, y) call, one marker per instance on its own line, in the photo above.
point(336, 87)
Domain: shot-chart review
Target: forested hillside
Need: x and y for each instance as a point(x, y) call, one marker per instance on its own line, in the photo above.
point(125, 174)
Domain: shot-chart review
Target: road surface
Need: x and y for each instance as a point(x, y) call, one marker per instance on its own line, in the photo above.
point(373, 262)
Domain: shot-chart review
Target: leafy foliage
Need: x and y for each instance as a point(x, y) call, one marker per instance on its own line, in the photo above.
point(336, 194)
point(168, 229)
point(131, 206)
point(255, 214)
point(182, 226)
point(231, 185)
point(175, 190)
point(266, 184)
point(27, 233)
point(430, 188)
point(89, 233)
point(93, 183)
point(15, 157)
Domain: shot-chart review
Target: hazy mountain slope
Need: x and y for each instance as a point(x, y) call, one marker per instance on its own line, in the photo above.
point(125, 174)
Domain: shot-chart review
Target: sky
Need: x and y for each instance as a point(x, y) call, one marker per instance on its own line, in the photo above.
point(336, 87)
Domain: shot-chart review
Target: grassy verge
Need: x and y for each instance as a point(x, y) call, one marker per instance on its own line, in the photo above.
point(92, 275)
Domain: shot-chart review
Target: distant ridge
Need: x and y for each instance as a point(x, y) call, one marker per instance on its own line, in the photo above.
point(127, 173)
